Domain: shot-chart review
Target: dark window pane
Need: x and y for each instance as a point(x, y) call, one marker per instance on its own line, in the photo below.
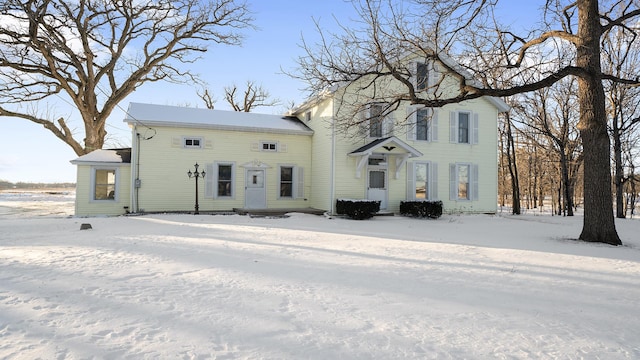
point(286, 181)
point(375, 120)
point(421, 76)
point(463, 127)
point(422, 124)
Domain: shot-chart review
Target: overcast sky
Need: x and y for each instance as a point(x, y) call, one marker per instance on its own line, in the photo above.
point(30, 153)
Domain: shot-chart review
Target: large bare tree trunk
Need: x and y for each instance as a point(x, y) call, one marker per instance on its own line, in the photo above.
point(513, 169)
point(618, 173)
point(599, 223)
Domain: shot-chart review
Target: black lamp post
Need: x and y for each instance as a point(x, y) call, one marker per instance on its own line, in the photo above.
point(196, 174)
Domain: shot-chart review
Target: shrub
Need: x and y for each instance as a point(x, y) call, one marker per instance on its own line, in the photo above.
point(357, 209)
point(430, 209)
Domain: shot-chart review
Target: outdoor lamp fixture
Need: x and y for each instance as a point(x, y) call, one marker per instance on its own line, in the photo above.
point(196, 174)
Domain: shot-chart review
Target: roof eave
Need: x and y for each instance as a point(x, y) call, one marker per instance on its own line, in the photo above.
point(176, 124)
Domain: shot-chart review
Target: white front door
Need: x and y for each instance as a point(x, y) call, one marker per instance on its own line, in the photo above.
point(377, 186)
point(255, 195)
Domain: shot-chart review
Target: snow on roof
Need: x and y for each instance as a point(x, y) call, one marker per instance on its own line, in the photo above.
point(177, 116)
point(105, 156)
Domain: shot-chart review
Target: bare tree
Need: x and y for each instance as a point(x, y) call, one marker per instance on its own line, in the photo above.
point(510, 154)
point(622, 55)
point(374, 53)
point(207, 98)
point(553, 113)
point(252, 97)
point(93, 53)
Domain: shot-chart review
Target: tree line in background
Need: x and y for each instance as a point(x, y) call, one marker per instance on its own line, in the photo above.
point(541, 151)
point(8, 185)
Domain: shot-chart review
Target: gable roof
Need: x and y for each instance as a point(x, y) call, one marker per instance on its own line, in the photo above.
point(390, 144)
point(105, 156)
point(500, 104)
point(178, 116)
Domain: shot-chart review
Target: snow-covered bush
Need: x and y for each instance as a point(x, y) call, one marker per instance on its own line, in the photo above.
point(357, 209)
point(430, 209)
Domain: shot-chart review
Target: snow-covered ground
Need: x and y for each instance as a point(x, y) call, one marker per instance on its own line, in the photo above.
point(309, 287)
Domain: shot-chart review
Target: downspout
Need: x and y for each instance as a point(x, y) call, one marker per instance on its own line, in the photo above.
point(134, 170)
point(333, 157)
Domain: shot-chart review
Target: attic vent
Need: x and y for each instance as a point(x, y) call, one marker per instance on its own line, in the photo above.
point(271, 146)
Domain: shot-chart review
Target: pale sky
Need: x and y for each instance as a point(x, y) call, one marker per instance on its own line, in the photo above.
point(30, 153)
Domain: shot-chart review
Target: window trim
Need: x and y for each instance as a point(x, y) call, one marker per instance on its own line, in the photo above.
point(432, 180)
point(211, 182)
point(297, 182)
point(379, 120)
point(292, 181)
point(200, 140)
point(275, 144)
point(473, 185)
point(431, 122)
point(385, 125)
point(116, 184)
point(424, 85)
point(454, 127)
point(218, 180)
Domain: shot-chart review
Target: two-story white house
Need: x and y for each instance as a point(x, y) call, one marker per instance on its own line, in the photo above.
point(307, 159)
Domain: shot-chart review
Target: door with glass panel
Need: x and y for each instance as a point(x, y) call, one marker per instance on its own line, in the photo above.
point(255, 191)
point(377, 186)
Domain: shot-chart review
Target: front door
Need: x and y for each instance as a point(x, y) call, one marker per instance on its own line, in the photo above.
point(255, 192)
point(377, 186)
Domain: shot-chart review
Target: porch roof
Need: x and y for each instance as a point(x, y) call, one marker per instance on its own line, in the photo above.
point(390, 144)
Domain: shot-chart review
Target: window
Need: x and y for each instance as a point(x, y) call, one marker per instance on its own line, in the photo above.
point(375, 123)
point(376, 120)
point(286, 181)
point(104, 184)
point(377, 160)
point(422, 77)
point(377, 179)
point(422, 124)
point(225, 180)
point(291, 182)
point(269, 146)
point(307, 116)
point(192, 142)
point(220, 180)
point(464, 127)
point(422, 181)
point(464, 181)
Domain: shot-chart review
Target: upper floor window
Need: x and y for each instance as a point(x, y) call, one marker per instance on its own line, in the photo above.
point(463, 127)
point(376, 123)
point(307, 116)
point(192, 142)
point(376, 119)
point(422, 77)
point(422, 124)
